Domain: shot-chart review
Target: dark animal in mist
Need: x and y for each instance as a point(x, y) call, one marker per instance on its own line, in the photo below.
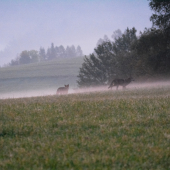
point(120, 82)
point(63, 90)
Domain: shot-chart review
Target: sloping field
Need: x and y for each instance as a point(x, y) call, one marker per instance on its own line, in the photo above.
point(47, 75)
point(125, 129)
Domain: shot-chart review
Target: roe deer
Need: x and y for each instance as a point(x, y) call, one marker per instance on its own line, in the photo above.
point(63, 90)
point(120, 82)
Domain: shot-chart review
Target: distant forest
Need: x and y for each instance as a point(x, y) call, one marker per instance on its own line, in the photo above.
point(130, 55)
point(33, 56)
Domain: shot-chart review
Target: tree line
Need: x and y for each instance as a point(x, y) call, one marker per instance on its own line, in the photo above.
point(53, 52)
point(131, 55)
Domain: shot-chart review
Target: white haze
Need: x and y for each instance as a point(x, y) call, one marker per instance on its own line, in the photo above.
point(51, 92)
point(27, 25)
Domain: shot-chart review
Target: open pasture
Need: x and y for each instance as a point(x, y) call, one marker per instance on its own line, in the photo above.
point(101, 130)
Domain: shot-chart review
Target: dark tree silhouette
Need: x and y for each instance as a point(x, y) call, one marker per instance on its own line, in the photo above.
point(111, 59)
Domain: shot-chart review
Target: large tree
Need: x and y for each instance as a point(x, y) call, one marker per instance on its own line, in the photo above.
point(154, 43)
point(110, 60)
point(152, 52)
point(161, 17)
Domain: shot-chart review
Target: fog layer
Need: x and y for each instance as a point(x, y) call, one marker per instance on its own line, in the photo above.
point(51, 92)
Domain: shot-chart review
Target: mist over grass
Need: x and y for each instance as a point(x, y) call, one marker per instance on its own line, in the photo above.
point(49, 91)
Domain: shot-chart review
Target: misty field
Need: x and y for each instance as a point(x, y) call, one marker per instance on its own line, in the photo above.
point(45, 75)
point(102, 130)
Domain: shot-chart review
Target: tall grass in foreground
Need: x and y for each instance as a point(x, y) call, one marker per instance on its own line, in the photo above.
point(107, 130)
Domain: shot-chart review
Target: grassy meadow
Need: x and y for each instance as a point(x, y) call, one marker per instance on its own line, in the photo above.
point(101, 130)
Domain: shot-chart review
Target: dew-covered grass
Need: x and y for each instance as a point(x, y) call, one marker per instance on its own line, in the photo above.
point(102, 130)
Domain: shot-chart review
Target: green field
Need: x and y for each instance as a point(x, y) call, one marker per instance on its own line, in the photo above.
point(102, 130)
point(44, 75)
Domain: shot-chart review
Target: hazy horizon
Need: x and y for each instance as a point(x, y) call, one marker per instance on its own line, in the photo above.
point(28, 24)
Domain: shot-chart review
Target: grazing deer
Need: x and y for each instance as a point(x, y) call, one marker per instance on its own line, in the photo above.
point(63, 90)
point(120, 82)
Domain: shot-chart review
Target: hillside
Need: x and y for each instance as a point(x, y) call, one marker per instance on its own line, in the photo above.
point(45, 75)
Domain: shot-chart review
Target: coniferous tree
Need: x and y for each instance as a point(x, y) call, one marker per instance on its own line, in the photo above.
point(71, 51)
point(96, 69)
point(79, 52)
point(24, 57)
point(67, 51)
point(161, 21)
point(111, 59)
point(27, 57)
point(42, 54)
point(116, 34)
point(14, 62)
point(34, 56)
point(57, 52)
point(152, 51)
point(51, 52)
point(161, 18)
point(62, 51)
point(101, 41)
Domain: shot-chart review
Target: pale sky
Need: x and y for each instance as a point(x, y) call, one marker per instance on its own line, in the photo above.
point(31, 24)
